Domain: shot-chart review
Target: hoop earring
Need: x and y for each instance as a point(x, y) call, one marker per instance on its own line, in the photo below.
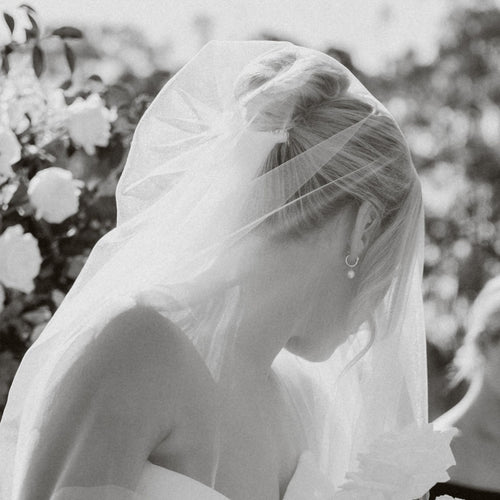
point(351, 265)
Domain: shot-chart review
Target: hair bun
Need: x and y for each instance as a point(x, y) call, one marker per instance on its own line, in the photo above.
point(279, 87)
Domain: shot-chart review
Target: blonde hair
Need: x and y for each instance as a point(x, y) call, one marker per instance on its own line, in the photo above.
point(374, 165)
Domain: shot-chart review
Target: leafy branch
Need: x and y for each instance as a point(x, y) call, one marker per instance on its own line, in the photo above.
point(33, 42)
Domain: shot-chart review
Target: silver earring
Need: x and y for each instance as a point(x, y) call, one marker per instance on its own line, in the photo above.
point(351, 265)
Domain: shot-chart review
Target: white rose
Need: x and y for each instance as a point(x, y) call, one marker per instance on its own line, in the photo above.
point(20, 96)
point(54, 194)
point(20, 259)
point(88, 122)
point(10, 152)
point(23, 95)
point(55, 108)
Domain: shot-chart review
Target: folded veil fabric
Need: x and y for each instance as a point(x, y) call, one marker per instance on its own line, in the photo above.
point(192, 200)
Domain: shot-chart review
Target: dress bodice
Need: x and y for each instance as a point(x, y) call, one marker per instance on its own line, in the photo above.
point(158, 483)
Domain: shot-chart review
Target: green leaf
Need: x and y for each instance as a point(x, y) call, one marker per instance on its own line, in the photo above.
point(70, 57)
point(117, 94)
point(20, 196)
point(68, 32)
point(95, 78)
point(28, 8)
point(38, 60)
point(35, 30)
point(10, 21)
point(66, 84)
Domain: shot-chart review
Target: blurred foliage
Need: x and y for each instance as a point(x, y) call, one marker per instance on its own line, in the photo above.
point(37, 63)
point(448, 109)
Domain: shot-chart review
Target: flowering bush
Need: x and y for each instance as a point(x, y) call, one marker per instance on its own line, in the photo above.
point(449, 109)
point(62, 148)
point(56, 116)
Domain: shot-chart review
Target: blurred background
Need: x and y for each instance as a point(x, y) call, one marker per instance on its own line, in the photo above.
point(76, 77)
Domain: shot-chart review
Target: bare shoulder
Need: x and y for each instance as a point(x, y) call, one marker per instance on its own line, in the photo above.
point(141, 334)
point(112, 396)
point(139, 367)
point(143, 342)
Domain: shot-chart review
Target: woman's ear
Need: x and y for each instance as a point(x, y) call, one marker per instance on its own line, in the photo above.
point(366, 222)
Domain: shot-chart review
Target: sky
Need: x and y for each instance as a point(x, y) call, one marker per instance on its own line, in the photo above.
point(373, 31)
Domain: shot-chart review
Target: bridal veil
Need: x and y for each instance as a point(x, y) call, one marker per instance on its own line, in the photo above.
point(194, 189)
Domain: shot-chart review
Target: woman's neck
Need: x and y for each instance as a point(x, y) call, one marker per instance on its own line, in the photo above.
point(262, 330)
point(254, 353)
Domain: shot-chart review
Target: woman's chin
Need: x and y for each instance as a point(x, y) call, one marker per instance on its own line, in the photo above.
point(303, 349)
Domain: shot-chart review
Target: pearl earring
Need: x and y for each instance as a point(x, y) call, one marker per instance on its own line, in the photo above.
point(351, 265)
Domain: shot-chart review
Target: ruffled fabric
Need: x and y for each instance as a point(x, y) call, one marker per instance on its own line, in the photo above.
point(401, 465)
point(158, 483)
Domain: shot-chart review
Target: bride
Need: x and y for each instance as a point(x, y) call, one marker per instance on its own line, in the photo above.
point(254, 322)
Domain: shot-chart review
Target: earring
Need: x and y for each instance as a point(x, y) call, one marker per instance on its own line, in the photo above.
point(351, 265)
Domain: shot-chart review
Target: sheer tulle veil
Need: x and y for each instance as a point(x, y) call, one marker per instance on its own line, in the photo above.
point(196, 192)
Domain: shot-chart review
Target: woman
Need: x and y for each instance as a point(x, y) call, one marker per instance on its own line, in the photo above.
point(254, 321)
point(477, 417)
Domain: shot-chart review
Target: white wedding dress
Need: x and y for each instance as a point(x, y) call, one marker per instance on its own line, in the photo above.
point(158, 483)
point(307, 483)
